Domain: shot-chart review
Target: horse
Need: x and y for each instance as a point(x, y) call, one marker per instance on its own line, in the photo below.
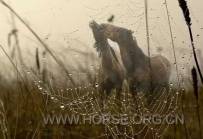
point(112, 71)
point(144, 74)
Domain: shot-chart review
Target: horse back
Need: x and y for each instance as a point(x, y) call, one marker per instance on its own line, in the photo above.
point(161, 68)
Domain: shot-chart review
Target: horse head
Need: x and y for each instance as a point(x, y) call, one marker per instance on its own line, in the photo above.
point(97, 32)
point(117, 34)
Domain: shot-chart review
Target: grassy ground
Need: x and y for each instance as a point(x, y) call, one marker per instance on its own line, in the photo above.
point(23, 104)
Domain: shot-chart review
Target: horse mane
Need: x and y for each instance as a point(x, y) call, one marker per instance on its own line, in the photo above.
point(113, 53)
point(99, 47)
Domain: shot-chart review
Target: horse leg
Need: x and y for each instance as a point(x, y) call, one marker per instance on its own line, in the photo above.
point(102, 94)
point(133, 91)
point(118, 95)
point(107, 87)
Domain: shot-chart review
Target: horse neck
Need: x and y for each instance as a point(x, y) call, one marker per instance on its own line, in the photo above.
point(132, 56)
point(107, 57)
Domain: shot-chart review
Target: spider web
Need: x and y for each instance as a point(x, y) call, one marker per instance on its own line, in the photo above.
point(85, 100)
point(88, 104)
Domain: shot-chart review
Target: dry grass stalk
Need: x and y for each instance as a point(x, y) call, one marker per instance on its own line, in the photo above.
point(172, 42)
point(148, 40)
point(14, 34)
point(183, 111)
point(3, 122)
point(195, 87)
point(195, 83)
point(186, 13)
point(13, 64)
point(37, 60)
point(44, 70)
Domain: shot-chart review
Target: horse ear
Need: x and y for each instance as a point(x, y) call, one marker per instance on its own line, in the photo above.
point(131, 31)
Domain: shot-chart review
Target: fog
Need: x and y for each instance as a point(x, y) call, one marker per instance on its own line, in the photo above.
point(63, 25)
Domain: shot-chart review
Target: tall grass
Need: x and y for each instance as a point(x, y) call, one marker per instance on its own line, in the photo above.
point(58, 61)
point(3, 122)
point(186, 13)
point(196, 94)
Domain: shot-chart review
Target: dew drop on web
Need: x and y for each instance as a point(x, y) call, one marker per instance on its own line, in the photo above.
point(62, 106)
point(96, 85)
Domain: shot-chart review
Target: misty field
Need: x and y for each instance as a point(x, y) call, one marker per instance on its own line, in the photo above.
point(64, 94)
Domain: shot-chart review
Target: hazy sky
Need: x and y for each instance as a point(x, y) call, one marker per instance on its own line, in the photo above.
point(64, 23)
